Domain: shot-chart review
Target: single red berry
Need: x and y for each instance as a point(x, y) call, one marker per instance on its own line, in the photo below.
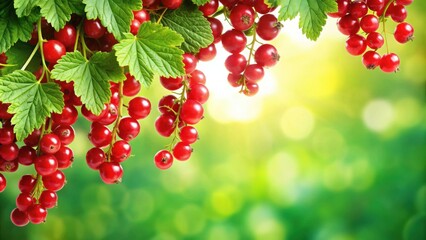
point(357, 9)
point(234, 41)
point(68, 116)
point(371, 59)
point(251, 88)
point(111, 172)
point(375, 40)
point(110, 116)
point(54, 181)
point(24, 200)
point(235, 80)
point(19, 218)
point(168, 104)
point(190, 62)
point(163, 159)
point(242, 17)
point(92, 117)
point(209, 8)
point(139, 108)
point(45, 164)
point(254, 72)
point(403, 32)
point(134, 26)
point(399, 13)
point(164, 124)
point(171, 83)
point(198, 92)
point(120, 151)
point(216, 27)
point(342, 9)
point(266, 55)
point(389, 63)
point(100, 135)
point(26, 155)
point(369, 23)
point(3, 183)
point(197, 76)
point(172, 4)
point(48, 199)
point(128, 128)
point(36, 214)
point(268, 27)
point(53, 50)
point(67, 36)
point(93, 28)
point(95, 157)
point(348, 25)
point(131, 86)
point(65, 157)
point(141, 15)
point(235, 63)
point(26, 183)
point(208, 53)
point(9, 152)
point(182, 151)
point(356, 45)
point(191, 111)
point(65, 133)
point(50, 143)
point(188, 134)
point(7, 136)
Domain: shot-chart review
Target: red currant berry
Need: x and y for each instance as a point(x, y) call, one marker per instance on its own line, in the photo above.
point(163, 159)
point(3, 183)
point(110, 116)
point(131, 86)
point(7, 136)
point(65, 133)
point(398, 13)
point(403, 32)
point(141, 15)
point(26, 183)
point(26, 155)
point(120, 151)
point(128, 128)
point(99, 135)
point(24, 200)
point(95, 157)
point(369, 23)
point(68, 116)
point(188, 134)
point(19, 218)
point(235, 80)
point(92, 117)
point(48, 199)
point(356, 45)
point(190, 62)
point(139, 108)
point(236, 63)
point(111, 172)
point(242, 17)
point(182, 151)
point(67, 36)
point(404, 2)
point(53, 50)
point(216, 27)
point(93, 28)
point(234, 41)
point(268, 27)
point(209, 8)
point(357, 9)
point(371, 59)
point(164, 124)
point(266, 55)
point(191, 111)
point(171, 83)
point(208, 53)
point(134, 26)
point(375, 40)
point(389, 63)
point(197, 76)
point(9, 152)
point(375, 5)
point(342, 9)
point(348, 25)
point(254, 72)
point(45, 164)
point(198, 92)
point(50, 143)
point(36, 214)
point(54, 181)
point(251, 88)
point(172, 4)
point(65, 157)
point(261, 7)
point(168, 104)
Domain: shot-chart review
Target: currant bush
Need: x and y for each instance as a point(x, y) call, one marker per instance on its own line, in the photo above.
point(96, 61)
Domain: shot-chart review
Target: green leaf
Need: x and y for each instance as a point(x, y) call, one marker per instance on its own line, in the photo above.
point(115, 15)
point(152, 50)
point(18, 55)
point(189, 22)
point(56, 12)
point(24, 7)
point(91, 77)
point(13, 28)
point(312, 14)
point(200, 2)
point(31, 102)
point(76, 6)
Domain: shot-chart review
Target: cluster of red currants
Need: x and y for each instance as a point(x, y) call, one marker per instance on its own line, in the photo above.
point(108, 161)
point(248, 18)
point(366, 16)
point(179, 112)
point(46, 149)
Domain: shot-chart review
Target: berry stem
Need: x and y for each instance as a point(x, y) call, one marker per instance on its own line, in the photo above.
point(117, 121)
point(31, 56)
point(251, 49)
point(383, 18)
point(161, 16)
point(40, 44)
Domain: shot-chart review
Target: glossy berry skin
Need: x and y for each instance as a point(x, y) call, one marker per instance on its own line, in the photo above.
point(208, 53)
point(398, 13)
point(164, 124)
point(190, 62)
point(48, 199)
point(235, 80)
point(24, 200)
point(266, 55)
point(99, 135)
point(236, 63)
point(128, 128)
point(357, 9)
point(65, 157)
point(209, 8)
point(348, 25)
point(110, 116)
point(45, 164)
point(54, 181)
point(9, 152)
point(134, 26)
point(120, 151)
point(216, 27)
point(375, 5)
point(53, 50)
point(403, 32)
point(404, 2)
point(6, 135)
point(198, 92)
point(3, 183)
point(93, 28)
point(268, 27)
point(369, 23)
point(356, 45)
point(234, 41)
point(375, 40)
point(95, 157)
point(191, 111)
point(171, 83)
point(111, 172)
point(182, 151)
point(168, 104)
point(92, 117)
point(371, 59)
point(139, 108)
point(50, 143)
point(242, 17)
point(65, 133)
point(36, 214)
point(188, 134)
point(19, 218)
point(163, 159)
point(261, 7)
point(68, 116)
point(131, 86)
point(141, 15)
point(252, 88)
point(172, 4)
point(197, 76)
point(254, 72)
point(26, 183)
point(389, 63)
point(67, 36)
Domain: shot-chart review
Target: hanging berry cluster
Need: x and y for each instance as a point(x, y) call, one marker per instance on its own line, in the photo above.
point(361, 21)
point(61, 59)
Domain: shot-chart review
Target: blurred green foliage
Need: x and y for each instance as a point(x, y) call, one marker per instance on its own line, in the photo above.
point(330, 151)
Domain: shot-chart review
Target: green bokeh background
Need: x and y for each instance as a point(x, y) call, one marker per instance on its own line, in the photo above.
point(326, 151)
